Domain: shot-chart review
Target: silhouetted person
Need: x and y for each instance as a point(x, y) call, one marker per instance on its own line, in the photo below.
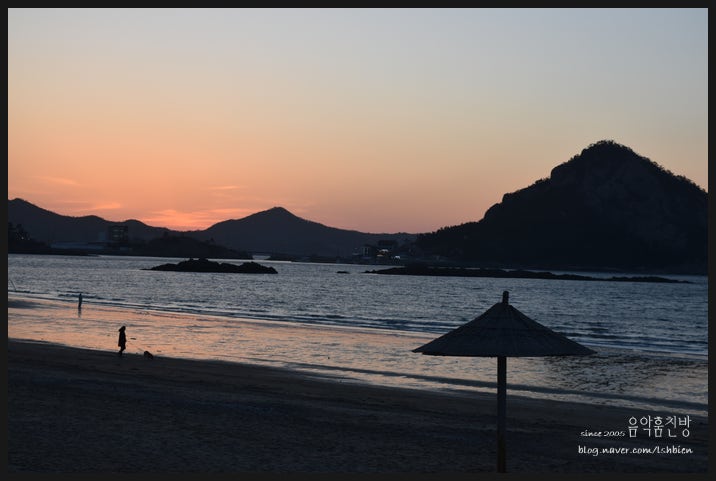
point(122, 343)
point(79, 302)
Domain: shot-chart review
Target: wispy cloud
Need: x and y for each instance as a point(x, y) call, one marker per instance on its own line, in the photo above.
point(195, 220)
point(78, 207)
point(59, 181)
point(180, 220)
point(227, 193)
point(106, 206)
point(232, 211)
point(226, 187)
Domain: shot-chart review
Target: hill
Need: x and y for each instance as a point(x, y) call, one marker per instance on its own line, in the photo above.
point(606, 208)
point(274, 231)
point(278, 231)
point(49, 227)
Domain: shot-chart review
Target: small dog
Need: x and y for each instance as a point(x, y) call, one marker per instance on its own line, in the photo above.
point(148, 355)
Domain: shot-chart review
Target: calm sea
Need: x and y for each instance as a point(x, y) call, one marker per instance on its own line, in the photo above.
point(339, 320)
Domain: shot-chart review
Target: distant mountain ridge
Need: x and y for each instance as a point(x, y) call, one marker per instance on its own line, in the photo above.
point(606, 208)
point(274, 231)
point(47, 226)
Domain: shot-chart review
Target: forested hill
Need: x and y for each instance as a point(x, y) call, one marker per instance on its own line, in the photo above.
point(605, 208)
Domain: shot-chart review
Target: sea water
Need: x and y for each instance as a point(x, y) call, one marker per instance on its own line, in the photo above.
point(341, 321)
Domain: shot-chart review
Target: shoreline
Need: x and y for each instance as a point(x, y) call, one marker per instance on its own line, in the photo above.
point(82, 410)
point(614, 377)
point(28, 302)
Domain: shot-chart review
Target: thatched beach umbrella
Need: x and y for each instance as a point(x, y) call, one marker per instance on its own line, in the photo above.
point(502, 331)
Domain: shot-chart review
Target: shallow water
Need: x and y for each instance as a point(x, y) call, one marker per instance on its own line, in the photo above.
point(657, 383)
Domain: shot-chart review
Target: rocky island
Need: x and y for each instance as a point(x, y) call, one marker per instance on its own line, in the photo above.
point(425, 270)
point(205, 265)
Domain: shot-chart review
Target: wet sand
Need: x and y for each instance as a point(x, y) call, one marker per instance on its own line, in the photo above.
point(88, 411)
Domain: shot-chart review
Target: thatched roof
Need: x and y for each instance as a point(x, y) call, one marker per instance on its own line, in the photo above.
point(502, 330)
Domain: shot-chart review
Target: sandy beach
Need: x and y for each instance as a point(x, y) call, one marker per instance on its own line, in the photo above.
point(89, 411)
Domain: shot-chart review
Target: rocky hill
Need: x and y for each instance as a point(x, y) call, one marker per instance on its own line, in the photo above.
point(606, 208)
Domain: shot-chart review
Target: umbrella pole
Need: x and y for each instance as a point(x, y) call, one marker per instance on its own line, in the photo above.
point(501, 408)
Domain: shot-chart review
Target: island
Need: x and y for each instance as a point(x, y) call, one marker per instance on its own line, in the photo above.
point(426, 270)
point(205, 265)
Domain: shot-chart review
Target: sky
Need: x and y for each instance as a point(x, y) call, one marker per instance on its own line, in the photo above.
point(376, 120)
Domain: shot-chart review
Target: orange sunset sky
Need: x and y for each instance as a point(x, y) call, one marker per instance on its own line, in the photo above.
point(378, 120)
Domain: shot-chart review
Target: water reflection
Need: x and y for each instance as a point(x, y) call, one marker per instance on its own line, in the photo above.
point(612, 376)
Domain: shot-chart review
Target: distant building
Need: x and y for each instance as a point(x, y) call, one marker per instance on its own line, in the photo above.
point(118, 234)
point(369, 251)
point(384, 252)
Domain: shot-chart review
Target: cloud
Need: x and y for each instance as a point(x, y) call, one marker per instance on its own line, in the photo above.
point(59, 181)
point(226, 187)
point(231, 211)
point(194, 220)
point(106, 206)
point(179, 220)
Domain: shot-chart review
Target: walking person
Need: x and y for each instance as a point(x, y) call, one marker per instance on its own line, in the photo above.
point(122, 343)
